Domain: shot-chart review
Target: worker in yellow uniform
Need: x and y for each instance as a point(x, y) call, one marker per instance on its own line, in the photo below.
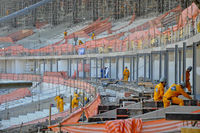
point(80, 42)
point(57, 100)
point(159, 90)
point(126, 74)
point(75, 101)
point(93, 35)
point(187, 78)
point(172, 94)
point(61, 104)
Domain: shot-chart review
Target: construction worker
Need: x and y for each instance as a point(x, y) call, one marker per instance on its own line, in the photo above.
point(93, 35)
point(75, 101)
point(86, 100)
point(80, 42)
point(172, 94)
point(187, 78)
point(57, 100)
point(61, 104)
point(65, 34)
point(159, 90)
point(126, 74)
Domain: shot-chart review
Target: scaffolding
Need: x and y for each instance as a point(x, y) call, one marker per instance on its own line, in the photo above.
point(75, 11)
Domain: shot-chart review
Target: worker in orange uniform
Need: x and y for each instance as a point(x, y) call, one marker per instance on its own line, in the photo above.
point(75, 101)
point(187, 78)
point(61, 104)
point(57, 100)
point(126, 74)
point(65, 34)
point(172, 94)
point(159, 90)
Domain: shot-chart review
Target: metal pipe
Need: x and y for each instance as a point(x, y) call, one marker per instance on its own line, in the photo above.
point(184, 60)
point(90, 69)
point(176, 63)
point(194, 70)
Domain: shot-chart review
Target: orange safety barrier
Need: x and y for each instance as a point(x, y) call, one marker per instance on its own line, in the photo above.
point(15, 95)
point(92, 108)
point(124, 126)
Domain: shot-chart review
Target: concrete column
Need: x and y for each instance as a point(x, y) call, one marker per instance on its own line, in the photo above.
point(137, 71)
point(151, 67)
point(103, 66)
point(180, 66)
point(134, 68)
point(166, 65)
point(110, 69)
point(43, 65)
point(184, 60)
point(160, 65)
point(83, 68)
point(57, 65)
point(5, 66)
point(96, 69)
point(117, 65)
point(194, 67)
point(35, 66)
point(176, 64)
point(145, 67)
point(77, 72)
point(123, 62)
point(131, 67)
point(70, 66)
point(90, 69)
point(51, 65)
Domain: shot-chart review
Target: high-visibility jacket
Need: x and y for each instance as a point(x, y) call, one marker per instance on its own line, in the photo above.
point(158, 92)
point(126, 74)
point(61, 105)
point(57, 99)
point(175, 91)
point(187, 76)
point(75, 102)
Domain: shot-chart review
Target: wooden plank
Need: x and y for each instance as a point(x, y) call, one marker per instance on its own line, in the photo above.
point(182, 116)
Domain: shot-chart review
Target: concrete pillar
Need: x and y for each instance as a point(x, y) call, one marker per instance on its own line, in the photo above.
point(194, 66)
point(35, 66)
point(77, 72)
point(180, 66)
point(137, 71)
point(96, 69)
point(110, 67)
point(51, 65)
point(117, 67)
point(57, 65)
point(90, 69)
point(5, 66)
point(70, 66)
point(184, 60)
point(176, 64)
point(151, 67)
point(166, 65)
point(123, 58)
point(131, 67)
point(103, 66)
point(145, 67)
point(160, 65)
point(43, 65)
point(83, 68)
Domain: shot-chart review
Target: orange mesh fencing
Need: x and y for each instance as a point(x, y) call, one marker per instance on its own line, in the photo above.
point(15, 95)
